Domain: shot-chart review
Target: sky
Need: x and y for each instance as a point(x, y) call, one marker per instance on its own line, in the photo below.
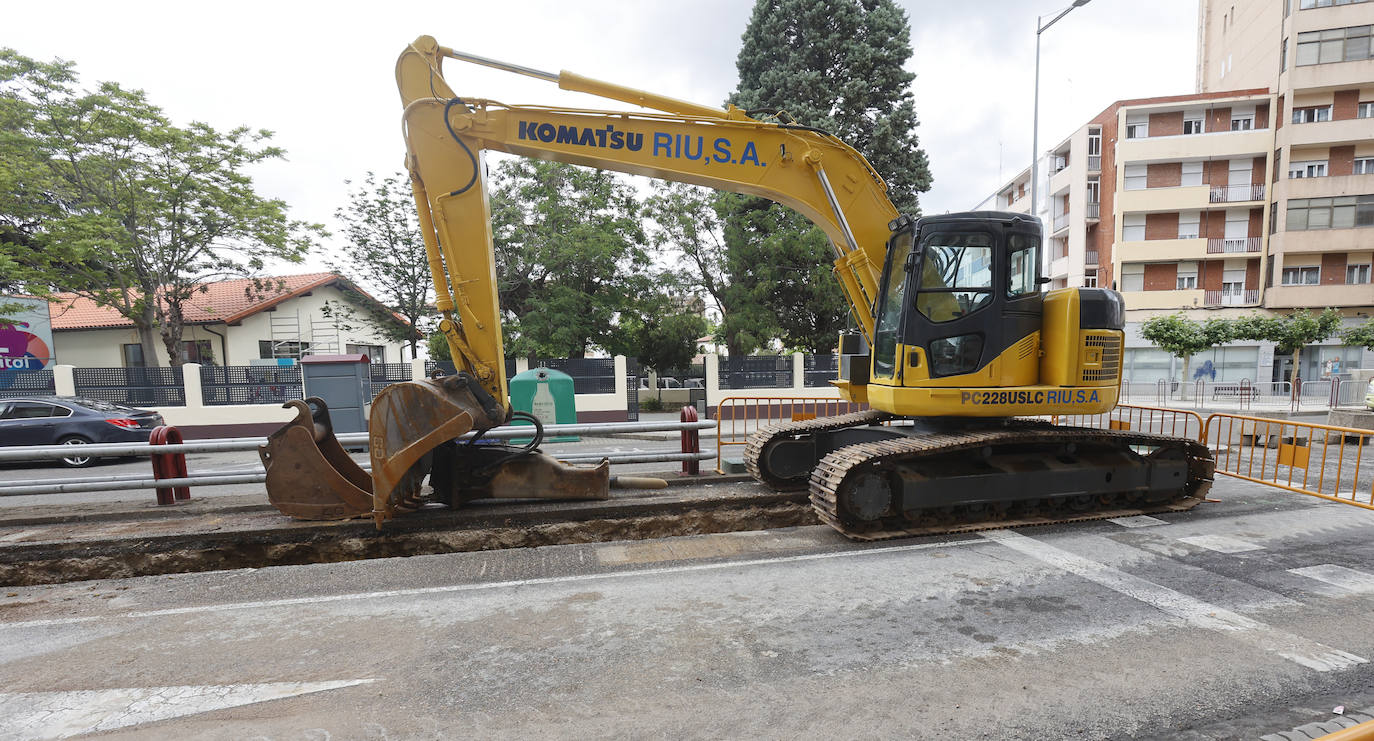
point(320, 75)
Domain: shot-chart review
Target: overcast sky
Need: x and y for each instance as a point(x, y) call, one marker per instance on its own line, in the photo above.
point(320, 75)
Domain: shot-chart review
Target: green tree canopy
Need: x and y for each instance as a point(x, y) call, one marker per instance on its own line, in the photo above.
point(386, 254)
point(1361, 336)
point(1184, 338)
point(101, 195)
point(1290, 333)
point(569, 249)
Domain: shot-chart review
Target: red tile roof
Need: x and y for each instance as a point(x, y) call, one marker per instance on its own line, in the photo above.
point(227, 301)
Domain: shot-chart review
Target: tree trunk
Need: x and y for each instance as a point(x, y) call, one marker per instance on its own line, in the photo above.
point(147, 337)
point(171, 330)
point(1183, 387)
point(1296, 377)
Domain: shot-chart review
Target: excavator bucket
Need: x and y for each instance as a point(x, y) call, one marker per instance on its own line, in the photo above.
point(309, 475)
point(414, 429)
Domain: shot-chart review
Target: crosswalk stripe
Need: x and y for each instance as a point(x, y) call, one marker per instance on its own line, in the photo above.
point(1221, 543)
point(1338, 576)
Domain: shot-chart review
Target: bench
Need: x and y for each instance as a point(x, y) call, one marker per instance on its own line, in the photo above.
point(1234, 390)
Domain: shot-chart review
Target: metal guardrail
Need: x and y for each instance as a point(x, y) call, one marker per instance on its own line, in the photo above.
point(253, 475)
point(1159, 420)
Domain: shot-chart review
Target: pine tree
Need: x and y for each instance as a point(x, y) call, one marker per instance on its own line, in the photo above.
point(835, 65)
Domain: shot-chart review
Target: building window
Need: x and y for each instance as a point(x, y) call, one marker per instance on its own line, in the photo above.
point(291, 349)
point(1192, 173)
point(1187, 275)
point(1188, 224)
point(1243, 123)
point(1341, 212)
point(1090, 280)
point(1357, 274)
point(1366, 110)
point(133, 356)
point(1192, 125)
point(1133, 228)
point(1309, 169)
point(1136, 177)
point(1283, 55)
point(197, 351)
point(1133, 277)
point(1094, 142)
point(1094, 190)
point(1333, 45)
point(1364, 166)
point(1302, 276)
point(1312, 114)
point(375, 353)
point(1309, 4)
point(1137, 126)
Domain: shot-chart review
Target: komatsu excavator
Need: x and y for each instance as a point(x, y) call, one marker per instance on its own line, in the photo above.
point(957, 340)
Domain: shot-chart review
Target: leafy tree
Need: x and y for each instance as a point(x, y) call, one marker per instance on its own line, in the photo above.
point(101, 195)
point(836, 66)
point(386, 253)
point(569, 249)
point(1184, 338)
point(660, 333)
point(691, 221)
point(1361, 336)
point(1289, 333)
point(438, 347)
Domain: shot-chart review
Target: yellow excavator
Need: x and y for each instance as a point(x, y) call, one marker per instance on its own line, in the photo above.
point(957, 341)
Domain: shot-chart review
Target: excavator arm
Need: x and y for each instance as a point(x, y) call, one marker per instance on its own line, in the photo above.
point(414, 426)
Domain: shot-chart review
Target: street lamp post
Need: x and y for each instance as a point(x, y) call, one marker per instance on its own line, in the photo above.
point(1035, 115)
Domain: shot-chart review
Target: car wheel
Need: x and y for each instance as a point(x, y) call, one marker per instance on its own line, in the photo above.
point(76, 461)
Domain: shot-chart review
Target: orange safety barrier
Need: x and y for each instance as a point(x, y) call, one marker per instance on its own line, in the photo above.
point(738, 416)
point(1335, 463)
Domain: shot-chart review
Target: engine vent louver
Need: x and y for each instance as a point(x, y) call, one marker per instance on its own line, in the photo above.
point(1111, 358)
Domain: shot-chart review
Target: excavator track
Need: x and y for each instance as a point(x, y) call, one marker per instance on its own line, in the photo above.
point(839, 471)
point(757, 441)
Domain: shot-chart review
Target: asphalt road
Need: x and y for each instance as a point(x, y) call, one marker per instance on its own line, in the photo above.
point(1236, 620)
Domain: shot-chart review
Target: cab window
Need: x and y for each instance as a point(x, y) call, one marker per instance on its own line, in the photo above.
point(956, 275)
point(1023, 252)
point(27, 410)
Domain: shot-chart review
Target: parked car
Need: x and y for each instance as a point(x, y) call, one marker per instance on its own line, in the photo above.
point(1369, 395)
point(694, 383)
point(75, 421)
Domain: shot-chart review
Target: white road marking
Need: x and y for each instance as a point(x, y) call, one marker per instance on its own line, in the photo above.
point(1221, 543)
point(389, 594)
point(1300, 650)
point(1355, 581)
point(44, 715)
point(1137, 521)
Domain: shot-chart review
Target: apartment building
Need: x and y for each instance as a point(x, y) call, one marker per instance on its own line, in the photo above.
point(1249, 195)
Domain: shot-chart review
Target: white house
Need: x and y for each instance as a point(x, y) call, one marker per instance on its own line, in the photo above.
point(234, 322)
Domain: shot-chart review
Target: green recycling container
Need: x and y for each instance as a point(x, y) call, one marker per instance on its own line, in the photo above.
point(547, 394)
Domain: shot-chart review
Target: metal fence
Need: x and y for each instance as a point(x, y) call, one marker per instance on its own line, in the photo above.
point(739, 416)
point(27, 383)
point(249, 384)
point(159, 387)
point(821, 369)
point(757, 372)
point(1330, 462)
point(590, 375)
point(385, 374)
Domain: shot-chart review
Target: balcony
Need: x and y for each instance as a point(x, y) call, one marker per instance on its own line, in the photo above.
point(1061, 221)
point(1157, 250)
point(1094, 163)
point(1233, 246)
point(1336, 75)
point(1321, 240)
point(1090, 257)
point(1336, 294)
point(1236, 193)
point(1138, 300)
point(1094, 211)
point(1216, 145)
point(1154, 200)
point(1330, 185)
point(1247, 297)
point(1348, 131)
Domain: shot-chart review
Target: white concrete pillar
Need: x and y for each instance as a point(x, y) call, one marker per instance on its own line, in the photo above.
point(798, 372)
point(417, 369)
point(712, 362)
point(63, 382)
point(622, 383)
point(522, 364)
point(190, 380)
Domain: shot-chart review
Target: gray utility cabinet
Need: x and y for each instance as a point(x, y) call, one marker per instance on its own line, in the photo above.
point(344, 382)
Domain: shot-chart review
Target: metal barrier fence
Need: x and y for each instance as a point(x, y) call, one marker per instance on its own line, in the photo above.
point(385, 374)
point(1335, 463)
point(27, 383)
point(249, 384)
point(821, 369)
point(739, 416)
point(159, 387)
point(1246, 394)
point(1159, 420)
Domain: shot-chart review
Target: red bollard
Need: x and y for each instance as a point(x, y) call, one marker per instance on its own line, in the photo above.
point(169, 465)
point(691, 443)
